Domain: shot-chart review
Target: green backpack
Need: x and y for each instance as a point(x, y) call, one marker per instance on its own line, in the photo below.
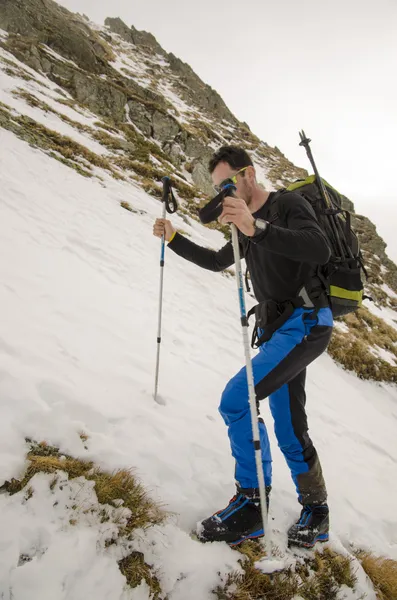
point(342, 275)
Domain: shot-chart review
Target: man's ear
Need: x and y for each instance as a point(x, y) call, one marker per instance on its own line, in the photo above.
point(251, 174)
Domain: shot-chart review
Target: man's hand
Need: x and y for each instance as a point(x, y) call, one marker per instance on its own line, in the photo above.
point(236, 211)
point(163, 226)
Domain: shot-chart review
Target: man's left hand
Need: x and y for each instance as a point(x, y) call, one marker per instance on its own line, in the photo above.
point(236, 211)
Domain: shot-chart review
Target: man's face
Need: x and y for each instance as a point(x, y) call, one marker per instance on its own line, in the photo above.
point(243, 185)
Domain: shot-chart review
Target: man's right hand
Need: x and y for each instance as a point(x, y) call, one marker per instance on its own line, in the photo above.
point(163, 226)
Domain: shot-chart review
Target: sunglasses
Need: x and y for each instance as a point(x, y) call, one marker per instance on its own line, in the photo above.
point(218, 188)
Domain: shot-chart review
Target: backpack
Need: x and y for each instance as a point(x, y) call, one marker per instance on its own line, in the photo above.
point(342, 275)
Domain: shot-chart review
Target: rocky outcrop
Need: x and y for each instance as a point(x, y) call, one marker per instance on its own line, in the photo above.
point(133, 36)
point(44, 21)
point(190, 86)
point(374, 250)
point(36, 25)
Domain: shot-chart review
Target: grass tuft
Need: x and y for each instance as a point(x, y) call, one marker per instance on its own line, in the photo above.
point(320, 576)
point(352, 349)
point(382, 572)
point(134, 569)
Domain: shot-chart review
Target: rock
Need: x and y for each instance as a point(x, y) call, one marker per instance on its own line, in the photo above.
point(165, 127)
point(202, 178)
point(132, 35)
point(48, 23)
point(347, 204)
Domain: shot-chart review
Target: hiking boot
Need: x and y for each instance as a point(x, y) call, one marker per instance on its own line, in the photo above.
point(312, 526)
point(240, 520)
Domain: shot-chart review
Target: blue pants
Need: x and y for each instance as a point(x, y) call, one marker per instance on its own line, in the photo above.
point(279, 373)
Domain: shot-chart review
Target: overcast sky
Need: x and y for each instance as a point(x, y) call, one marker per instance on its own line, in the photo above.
point(283, 65)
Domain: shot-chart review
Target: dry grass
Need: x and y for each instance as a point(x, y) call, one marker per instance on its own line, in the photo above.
point(126, 205)
point(319, 577)
point(352, 349)
point(144, 169)
point(60, 147)
point(134, 568)
point(121, 484)
point(383, 574)
point(151, 188)
point(119, 488)
point(14, 70)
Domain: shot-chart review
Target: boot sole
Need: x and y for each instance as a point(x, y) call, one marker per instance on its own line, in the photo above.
point(323, 537)
point(251, 536)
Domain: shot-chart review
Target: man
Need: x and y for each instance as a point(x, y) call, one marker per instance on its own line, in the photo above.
point(283, 246)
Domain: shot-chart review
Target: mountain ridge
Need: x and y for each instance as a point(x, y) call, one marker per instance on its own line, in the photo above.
point(155, 116)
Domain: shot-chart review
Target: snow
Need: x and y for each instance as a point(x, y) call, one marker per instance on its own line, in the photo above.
point(388, 290)
point(79, 293)
point(54, 54)
point(261, 177)
point(341, 326)
point(183, 109)
point(133, 62)
point(387, 314)
point(79, 297)
point(49, 120)
point(384, 354)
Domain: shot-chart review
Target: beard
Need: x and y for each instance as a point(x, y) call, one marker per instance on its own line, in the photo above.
point(247, 196)
point(245, 193)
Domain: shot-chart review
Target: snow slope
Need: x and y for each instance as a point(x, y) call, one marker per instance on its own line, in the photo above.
point(79, 298)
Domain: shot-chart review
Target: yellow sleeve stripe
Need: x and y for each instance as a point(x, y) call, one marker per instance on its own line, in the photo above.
point(172, 237)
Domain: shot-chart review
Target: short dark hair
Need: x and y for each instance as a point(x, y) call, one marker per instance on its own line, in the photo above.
point(234, 156)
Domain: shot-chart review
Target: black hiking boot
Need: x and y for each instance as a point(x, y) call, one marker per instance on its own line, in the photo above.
point(240, 520)
point(312, 526)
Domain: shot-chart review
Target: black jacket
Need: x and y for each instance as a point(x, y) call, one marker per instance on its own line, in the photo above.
point(281, 259)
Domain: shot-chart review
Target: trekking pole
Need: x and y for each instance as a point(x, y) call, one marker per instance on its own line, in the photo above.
point(251, 393)
point(209, 213)
point(169, 205)
point(335, 225)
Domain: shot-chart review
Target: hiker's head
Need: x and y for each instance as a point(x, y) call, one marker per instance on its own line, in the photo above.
point(232, 162)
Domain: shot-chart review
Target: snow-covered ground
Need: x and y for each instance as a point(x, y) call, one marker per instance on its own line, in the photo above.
point(79, 282)
point(79, 297)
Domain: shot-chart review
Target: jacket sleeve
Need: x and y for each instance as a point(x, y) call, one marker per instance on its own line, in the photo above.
point(203, 257)
point(303, 239)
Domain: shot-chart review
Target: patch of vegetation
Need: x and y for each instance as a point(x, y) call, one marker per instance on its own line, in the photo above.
point(126, 205)
point(58, 146)
point(32, 100)
point(143, 146)
point(120, 488)
point(382, 572)
point(146, 170)
point(109, 487)
point(14, 70)
point(352, 349)
point(106, 126)
point(70, 163)
point(319, 576)
point(134, 568)
point(188, 192)
point(109, 141)
point(151, 188)
point(189, 166)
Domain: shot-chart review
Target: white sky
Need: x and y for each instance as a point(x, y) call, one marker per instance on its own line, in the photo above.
point(329, 68)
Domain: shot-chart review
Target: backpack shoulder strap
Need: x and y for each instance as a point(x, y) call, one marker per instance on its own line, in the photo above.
point(273, 212)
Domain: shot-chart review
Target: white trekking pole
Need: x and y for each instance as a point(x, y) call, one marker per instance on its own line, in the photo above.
point(251, 392)
point(169, 205)
point(207, 214)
